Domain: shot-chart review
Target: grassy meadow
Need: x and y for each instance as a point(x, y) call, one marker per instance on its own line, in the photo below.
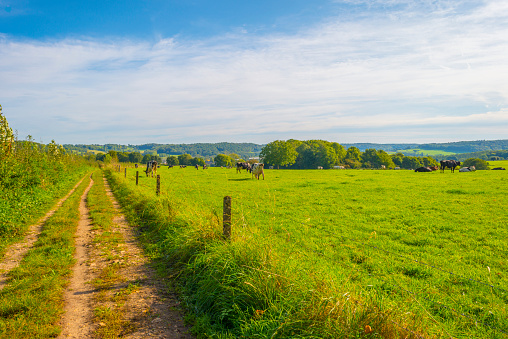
point(333, 253)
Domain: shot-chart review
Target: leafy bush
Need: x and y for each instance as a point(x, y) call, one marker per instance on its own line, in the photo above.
point(479, 164)
point(32, 176)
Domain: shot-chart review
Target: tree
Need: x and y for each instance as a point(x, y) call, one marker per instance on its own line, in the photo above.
point(479, 164)
point(113, 155)
point(353, 153)
point(197, 161)
point(278, 153)
point(122, 157)
point(6, 136)
point(172, 161)
point(397, 158)
point(184, 159)
point(222, 160)
point(135, 157)
point(411, 163)
point(340, 151)
point(370, 158)
point(385, 159)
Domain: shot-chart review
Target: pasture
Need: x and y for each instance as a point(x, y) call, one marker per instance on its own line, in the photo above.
point(317, 254)
point(498, 163)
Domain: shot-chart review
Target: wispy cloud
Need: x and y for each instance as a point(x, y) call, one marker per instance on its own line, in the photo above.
point(370, 75)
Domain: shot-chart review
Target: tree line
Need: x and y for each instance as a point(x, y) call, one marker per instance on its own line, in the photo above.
point(311, 154)
point(137, 157)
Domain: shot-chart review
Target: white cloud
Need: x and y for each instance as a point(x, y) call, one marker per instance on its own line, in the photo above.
point(350, 80)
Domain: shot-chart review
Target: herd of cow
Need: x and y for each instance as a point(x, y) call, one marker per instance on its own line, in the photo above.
point(257, 169)
point(451, 164)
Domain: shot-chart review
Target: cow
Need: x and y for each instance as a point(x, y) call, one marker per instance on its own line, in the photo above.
point(434, 168)
point(257, 170)
point(243, 165)
point(467, 169)
point(499, 169)
point(151, 167)
point(451, 164)
point(423, 169)
point(197, 166)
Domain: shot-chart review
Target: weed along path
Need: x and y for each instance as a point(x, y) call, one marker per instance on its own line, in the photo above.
point(15, 253)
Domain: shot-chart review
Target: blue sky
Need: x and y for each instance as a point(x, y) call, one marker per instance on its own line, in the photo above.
point(133, 72)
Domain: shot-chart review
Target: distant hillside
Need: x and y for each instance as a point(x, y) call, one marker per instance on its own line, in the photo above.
point(248, 150)
point(453, 147)
point(205, 150)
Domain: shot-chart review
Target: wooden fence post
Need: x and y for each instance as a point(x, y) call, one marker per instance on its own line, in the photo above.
point(226, 218)
point(158, 190)
point(137, 177)
point(126, 172)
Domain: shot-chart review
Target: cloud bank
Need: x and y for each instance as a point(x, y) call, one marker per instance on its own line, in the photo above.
point(384, 71)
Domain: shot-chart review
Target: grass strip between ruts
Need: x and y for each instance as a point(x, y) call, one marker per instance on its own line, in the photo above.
point(109, 309)
point(32, 303)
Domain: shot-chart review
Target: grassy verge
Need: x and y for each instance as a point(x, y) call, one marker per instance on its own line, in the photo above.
point(110, 302)
point(21, 207)
point(32, 302)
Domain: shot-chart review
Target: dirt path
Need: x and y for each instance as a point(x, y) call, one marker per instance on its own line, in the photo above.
point(16, 252)
point(76, 322)
point(151, 311)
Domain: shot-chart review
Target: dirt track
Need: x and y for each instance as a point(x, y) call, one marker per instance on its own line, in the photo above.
point(149, 311)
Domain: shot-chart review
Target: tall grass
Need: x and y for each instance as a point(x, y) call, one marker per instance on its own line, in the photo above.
point(32, 178)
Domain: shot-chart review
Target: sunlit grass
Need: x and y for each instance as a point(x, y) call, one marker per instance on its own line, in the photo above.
point(31, 304)
point(326, 253)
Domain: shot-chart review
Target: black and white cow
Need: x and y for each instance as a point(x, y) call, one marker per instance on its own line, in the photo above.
point(151, 167)
point(467, 169)
point(243, 165)
point(257, 170)
point(451, 164)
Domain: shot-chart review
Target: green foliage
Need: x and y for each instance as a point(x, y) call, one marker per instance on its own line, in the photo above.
point(278, 153)
point(6, 137)
point(185, 159)
point(197, 161)
point(151, 157)
point(172, 161)
point(479, 164)
point(32, 176)
point(222, 160)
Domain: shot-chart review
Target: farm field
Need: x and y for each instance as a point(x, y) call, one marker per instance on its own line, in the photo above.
point(498, 163)
point(423, 152)
point(315, 254)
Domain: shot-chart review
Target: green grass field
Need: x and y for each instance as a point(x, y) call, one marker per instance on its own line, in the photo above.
point(318, 254)
point(498, 163)
point(423, 152)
